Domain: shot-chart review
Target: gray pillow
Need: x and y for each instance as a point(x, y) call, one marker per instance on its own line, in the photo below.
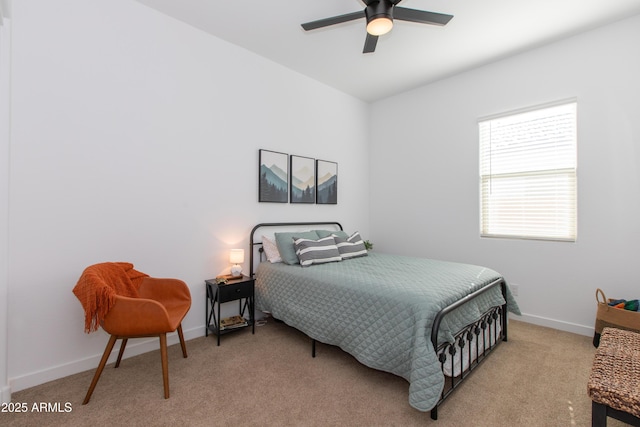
point(316, 251)
point(284, 242)
point(352, 247)
point(326, 233)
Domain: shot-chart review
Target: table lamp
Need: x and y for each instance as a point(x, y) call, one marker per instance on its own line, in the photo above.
point(236, 258)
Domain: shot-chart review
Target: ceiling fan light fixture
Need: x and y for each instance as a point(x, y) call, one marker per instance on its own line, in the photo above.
point(379, 26)
point(379, 16)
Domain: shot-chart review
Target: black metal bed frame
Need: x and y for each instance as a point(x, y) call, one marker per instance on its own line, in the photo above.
point(487, 324)
point(493, 322)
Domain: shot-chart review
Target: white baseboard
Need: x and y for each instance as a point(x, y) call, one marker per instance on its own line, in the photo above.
point(555, 324)
point(134, 348)
point(5, 394)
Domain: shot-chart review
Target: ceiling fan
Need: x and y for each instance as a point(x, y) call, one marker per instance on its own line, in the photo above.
point(380, 15)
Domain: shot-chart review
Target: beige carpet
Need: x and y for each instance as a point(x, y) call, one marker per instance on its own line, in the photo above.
point(537, 378)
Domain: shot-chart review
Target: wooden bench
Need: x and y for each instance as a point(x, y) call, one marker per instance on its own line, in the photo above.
point(614, 383)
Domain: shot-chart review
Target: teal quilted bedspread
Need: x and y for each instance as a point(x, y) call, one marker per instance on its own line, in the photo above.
point(380, 308)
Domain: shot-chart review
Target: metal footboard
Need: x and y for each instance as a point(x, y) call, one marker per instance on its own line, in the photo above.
point(484, 334)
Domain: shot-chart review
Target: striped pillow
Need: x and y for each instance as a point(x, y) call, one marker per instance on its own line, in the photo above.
point(352, 247)
point(285, 246)
point(316, 251)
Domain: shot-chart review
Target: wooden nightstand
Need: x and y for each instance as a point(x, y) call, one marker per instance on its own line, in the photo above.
point(242, 290)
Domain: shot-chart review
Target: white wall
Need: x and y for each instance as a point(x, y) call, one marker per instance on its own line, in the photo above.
point(5, 96)
point(135, 138)
point(424, 166)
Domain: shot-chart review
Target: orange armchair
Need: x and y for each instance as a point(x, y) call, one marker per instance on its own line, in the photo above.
point(142, 307)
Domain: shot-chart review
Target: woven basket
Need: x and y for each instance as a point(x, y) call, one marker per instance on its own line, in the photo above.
point(611, 317)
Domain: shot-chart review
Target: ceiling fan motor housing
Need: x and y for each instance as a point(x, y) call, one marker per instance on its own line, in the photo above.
point(379, 9)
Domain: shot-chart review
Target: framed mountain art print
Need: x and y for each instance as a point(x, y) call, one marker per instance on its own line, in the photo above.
point(326, 182)
point(302, 187)
point(273, 182)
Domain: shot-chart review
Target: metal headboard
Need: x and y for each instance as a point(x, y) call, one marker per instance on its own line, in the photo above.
point(253, 243)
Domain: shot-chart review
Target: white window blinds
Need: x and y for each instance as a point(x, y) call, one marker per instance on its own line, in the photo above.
point(528, 174)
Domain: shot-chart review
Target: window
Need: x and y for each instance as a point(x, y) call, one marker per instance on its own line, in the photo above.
point(528, 174)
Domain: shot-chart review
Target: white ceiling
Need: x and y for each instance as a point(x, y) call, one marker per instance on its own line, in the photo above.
point(409, 56)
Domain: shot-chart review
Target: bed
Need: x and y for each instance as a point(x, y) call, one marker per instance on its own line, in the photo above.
point(431, 322)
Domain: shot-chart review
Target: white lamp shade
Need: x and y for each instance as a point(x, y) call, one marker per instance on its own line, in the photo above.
point(379, 26)
point(236, 256)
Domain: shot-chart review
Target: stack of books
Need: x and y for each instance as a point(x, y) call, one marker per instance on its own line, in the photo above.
point(233, 322)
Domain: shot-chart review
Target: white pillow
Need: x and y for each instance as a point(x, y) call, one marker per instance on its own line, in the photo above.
point(271, 250)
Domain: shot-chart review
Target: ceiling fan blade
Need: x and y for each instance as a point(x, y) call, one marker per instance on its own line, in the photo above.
point(420, 16)
point(370, 44)
point(332, 21)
